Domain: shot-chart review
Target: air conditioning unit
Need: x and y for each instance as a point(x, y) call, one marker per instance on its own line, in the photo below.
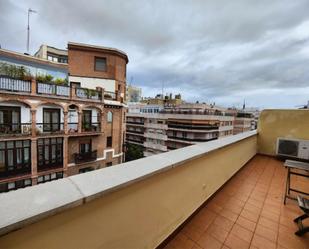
point(290, 147)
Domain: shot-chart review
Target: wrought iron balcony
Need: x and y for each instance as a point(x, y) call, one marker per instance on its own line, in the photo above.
point(15, 129)
point(47, 128)
point(85, 93)
point(91, 127)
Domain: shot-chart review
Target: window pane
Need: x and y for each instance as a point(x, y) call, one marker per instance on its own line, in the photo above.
point(40, 179)
point(2, 161)
point(100, 64)
point(19, 156)
point(27, 182)
point(26, 155)
point(10, 145)
point(10, 159)
point(11, 185)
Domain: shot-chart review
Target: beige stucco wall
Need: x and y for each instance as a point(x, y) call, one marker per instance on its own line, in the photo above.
point(140, 215)
point(281, 123)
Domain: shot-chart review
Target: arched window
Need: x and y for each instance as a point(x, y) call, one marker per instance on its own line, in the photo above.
point(109, 117)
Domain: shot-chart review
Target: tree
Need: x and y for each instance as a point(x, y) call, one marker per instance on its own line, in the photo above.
point(134, 152)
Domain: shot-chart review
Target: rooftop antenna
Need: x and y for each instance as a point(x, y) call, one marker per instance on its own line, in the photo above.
point(163, 90)
point(244, 105)
point(28, 28)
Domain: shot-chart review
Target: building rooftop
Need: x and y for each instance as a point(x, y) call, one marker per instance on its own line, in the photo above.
point(95, 47)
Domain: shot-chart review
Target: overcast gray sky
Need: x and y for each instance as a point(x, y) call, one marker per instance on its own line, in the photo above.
point(219, 51)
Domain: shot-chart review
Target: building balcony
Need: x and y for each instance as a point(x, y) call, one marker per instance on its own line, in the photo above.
point(156, 126)
point(191, 139)
point(135, 132)
point(85, 93)
point(15, 129)
point(53, 90)
point(49, 128)
point(155, 146)
point(85, 157)
point(91, 127)
point(226, 193)
point(155, 136)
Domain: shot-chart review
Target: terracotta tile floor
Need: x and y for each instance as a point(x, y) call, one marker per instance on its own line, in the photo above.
point(248, 212)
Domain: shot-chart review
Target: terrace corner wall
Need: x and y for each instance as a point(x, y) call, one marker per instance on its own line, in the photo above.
point(145, 213)
point(281, 123)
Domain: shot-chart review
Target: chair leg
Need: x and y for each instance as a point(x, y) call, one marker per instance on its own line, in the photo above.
point(302, 217)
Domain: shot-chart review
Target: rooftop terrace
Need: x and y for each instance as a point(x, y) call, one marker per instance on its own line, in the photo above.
point(248, 212)
point(156, 201)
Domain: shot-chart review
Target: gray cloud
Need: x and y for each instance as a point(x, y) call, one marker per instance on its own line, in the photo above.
point(217, 50)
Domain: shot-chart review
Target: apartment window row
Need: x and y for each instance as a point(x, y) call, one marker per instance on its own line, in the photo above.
point(8, 186)
point(57, 58)
point(50, 177)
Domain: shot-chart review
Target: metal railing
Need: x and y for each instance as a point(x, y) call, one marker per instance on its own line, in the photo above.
point(110, 95)
point(193, 127)
point(15, 128)
point(15, 85)
point(53, 89)
point(72, 127)
point(42, 128)
point(85, 157)
point(91, 127)
point(196, 112)
point(85, 93)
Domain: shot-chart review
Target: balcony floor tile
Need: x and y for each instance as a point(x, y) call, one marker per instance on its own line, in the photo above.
point(248, 212)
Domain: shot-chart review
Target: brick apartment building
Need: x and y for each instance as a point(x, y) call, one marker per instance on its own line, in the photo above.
point(159, 129)
point(59, 119)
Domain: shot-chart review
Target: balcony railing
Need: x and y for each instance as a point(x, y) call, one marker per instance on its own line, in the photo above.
point(14, 85)
point(134, 131)
point(91, 127)
point(22, 170)
point(194, 127)
point(53, 89)
point(85, 93)
point(15, 129)
point(85, 157)
point(73, 127)
point(192, 139)
point(110, 95)
point(47, 128)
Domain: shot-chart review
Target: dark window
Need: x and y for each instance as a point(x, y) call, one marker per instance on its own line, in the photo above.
point(51, 119)
point(85, 147)
point(5, 187)
point(84, 170)
point(109, 164)
point(50, 177)
point(109, 142)
point(9, 119)
point(50, 153)
point(15, 157)
point(87, 114)
point(99, 64)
